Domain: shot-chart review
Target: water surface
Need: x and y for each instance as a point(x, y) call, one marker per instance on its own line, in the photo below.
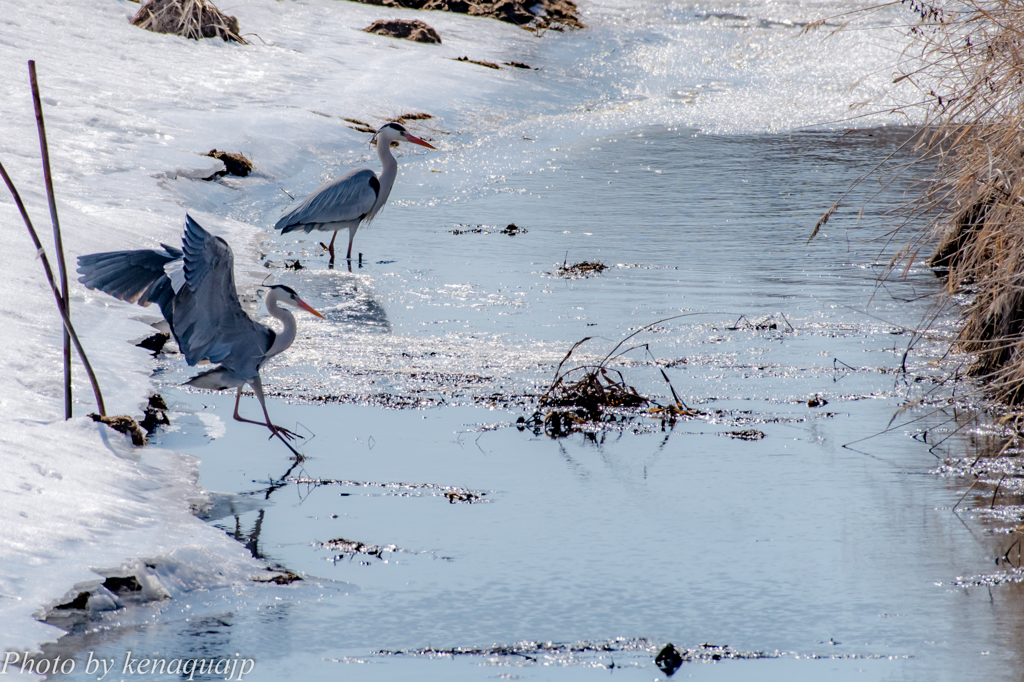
point(835, 552)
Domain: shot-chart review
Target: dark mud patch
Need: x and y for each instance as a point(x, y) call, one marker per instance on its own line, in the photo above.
point(192, 19)
point(123, 424)
point(453, 494)
point(405, 29)
point(155, 414)
point(536, 14)
point(580, 270)
point(489, 65)
point(234, 164)
point(280, 577)
point(154, 343)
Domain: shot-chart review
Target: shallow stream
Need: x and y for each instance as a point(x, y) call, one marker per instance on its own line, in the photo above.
point(810, 541)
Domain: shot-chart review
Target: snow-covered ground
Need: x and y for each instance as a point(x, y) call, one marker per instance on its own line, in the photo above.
point(129, 115)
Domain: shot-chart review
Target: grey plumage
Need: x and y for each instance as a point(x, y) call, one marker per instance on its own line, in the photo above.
point(203, 311)
point(195, 289)
point(353, 199)
point(346, 201)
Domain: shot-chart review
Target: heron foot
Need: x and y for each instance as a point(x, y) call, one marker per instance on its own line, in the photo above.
point(276, 430)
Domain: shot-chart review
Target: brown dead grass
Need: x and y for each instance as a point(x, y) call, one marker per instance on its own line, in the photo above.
point(966, 58)
point(193, 19)
point(972, 80)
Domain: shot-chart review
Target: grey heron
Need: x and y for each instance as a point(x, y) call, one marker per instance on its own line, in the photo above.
point(354, 198)
point(195, 289)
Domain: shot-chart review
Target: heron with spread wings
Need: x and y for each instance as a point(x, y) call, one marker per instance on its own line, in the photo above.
point(353, 199)
point(194, 286)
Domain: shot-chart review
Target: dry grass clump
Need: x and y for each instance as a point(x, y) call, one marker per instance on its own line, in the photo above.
point(591, 393)
point(580, 270)
point(967, 60)
point(193, 19)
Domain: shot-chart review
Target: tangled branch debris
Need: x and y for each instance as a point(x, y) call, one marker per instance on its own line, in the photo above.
point(580, 270)
point(594, 393)
point(192, 19)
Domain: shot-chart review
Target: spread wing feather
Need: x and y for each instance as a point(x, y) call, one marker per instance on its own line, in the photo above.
point(133, 276)
point(347, 199)
point(209, 322)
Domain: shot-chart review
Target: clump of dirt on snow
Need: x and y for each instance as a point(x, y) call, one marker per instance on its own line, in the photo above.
point(549, 14)
point(193, 19)
point(407, 29)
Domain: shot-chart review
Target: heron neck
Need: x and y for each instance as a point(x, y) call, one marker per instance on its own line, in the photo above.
point(283, 338)
point(387, 175)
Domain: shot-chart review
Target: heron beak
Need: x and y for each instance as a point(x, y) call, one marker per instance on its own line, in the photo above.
point(307, 307)
point(416, 140)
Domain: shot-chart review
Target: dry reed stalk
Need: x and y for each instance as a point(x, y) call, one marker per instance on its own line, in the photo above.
point(967, 60)
point(192, 19)
point(56, 292)
point(58, 242)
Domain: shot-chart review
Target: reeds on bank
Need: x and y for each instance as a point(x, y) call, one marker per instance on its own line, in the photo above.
point(967, 60)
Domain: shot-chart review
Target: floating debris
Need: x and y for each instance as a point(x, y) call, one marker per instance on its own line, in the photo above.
point(746, 434)
point(353, 548)
point(406, 29)
point(514, 229)
point(518, 65)
point(580, 270)
point(668, 660)
point(192, 19)
point(451, 493)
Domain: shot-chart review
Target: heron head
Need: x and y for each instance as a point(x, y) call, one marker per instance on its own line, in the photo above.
point(279, 293)
point(393, 133)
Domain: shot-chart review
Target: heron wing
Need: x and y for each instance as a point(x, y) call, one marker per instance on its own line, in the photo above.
point(133, 276)
point(347, 199)
point(209, 323)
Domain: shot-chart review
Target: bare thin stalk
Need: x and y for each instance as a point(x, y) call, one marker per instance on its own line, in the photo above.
point(58, 242)
point(56, 293)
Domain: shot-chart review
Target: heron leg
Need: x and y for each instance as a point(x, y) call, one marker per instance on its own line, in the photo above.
point(330, 247)
point(275, 430)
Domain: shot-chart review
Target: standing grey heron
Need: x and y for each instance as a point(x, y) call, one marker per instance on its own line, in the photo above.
point(354, 198)
point(195, 289)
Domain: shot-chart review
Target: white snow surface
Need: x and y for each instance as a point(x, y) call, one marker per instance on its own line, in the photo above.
point(129, 114)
